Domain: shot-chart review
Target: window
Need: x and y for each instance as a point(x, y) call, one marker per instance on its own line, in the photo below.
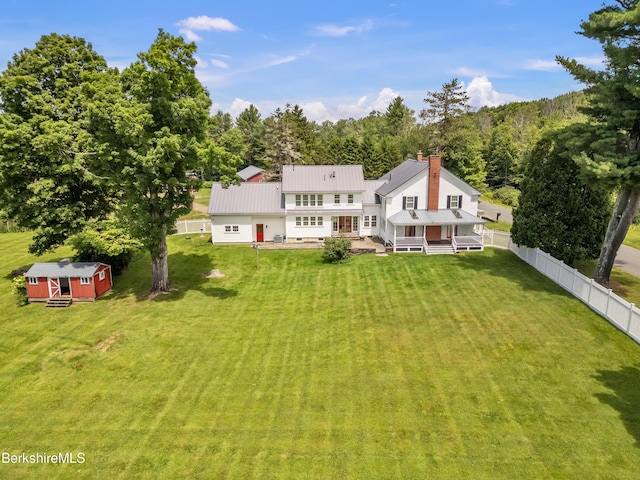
point(305, 200)
point(227, 229)
point(410, 231)
point(454, 201)
point(320, 200)
point(312, 200)
point(350, 198)
point(298, 221)
point(374, 221)
point(231, 228)
point(320, 221)
point(84, 281)
point(305, 221)
point(298, 200)
point(101, 275)
point(312, 221)
point(336, 199)
point(33, 280)
point(409, 203)
point(309, 221)
point(355, 224)
point(236, 229)
point(366, 221)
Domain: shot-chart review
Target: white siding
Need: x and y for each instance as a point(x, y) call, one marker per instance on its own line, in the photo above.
point(469, 203)
point(414, 188)
point(371, 210)
point(220, 235)
point(272, 226)
point(294, 231)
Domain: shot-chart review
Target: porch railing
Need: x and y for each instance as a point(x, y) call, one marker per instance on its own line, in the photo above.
point(406, 241)
point(467, 242)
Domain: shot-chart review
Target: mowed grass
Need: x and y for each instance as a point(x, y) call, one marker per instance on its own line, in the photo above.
point(468, 366)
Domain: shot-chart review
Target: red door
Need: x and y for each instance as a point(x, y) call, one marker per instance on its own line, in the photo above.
point(259, 232)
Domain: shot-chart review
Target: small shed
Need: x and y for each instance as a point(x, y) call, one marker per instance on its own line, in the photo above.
point(80, 281)
point(251, 174)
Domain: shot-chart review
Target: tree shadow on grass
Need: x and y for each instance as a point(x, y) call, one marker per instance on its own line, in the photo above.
point(625, 384)
point(185, 274)
point(505, 264)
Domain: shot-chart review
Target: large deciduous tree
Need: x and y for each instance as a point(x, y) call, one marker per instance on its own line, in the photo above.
point(610, 141)
point(557, 211)
point(47, 158)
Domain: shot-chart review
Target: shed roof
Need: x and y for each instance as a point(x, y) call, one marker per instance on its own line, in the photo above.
point(250, 171)
point(63, 269)
point(246, 198)
point(435, 217)
point(370, 187)
point(322, 178)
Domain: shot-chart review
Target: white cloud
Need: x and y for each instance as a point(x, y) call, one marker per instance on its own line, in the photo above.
point(204, 23)
point(281, 60)
point(332, 30)
point(237, 107)
point(482, 94)
point(317, 111)
point(219, 63)
point(542, 65)
point(201, 63)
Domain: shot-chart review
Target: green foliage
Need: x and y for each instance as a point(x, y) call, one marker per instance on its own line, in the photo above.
point(507, 196)
point(337, 249)
point(19, 289)
point(557, 211)
point(107, 243)
point(48, 162)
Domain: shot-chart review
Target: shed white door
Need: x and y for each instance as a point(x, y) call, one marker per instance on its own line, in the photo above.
point(54, 287)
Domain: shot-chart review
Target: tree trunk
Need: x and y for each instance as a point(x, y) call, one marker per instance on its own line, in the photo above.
point(624, 210)
point(160, 268)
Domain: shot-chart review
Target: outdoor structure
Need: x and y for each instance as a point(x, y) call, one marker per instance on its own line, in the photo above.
point(79, 281)
point(251, 174)
point(418, 206)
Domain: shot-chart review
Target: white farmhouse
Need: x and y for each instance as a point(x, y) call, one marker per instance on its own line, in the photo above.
point(418, 206)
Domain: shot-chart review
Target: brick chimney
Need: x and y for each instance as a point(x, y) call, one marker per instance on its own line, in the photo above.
point(435, 162)
point(419, 156)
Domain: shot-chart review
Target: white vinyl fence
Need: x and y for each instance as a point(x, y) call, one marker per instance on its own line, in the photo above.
point(194, 226)
point(495, 238)
point(619, 312)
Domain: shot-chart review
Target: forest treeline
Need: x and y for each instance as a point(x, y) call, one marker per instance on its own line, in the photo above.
point(487, 148)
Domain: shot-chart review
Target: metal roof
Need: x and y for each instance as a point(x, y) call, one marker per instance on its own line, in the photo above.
point(247, 198)
point(63, 269)
point(322, 178)
point(369, 195)
point(401, 174)
point(435, 217)
point(248, 172)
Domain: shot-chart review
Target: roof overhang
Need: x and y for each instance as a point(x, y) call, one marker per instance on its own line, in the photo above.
point(435, 217)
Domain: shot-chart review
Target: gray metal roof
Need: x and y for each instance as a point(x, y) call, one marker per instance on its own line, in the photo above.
point(247, 198)
point(63, 269)
point(370, 187)
point(435, 217)
point(248, 172)
point(322, 178)
point(401, 174)
point(458, 182)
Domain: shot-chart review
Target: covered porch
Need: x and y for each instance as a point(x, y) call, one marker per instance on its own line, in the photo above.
point(431, 232)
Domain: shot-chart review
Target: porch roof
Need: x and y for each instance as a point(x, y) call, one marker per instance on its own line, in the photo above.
point(435, 217)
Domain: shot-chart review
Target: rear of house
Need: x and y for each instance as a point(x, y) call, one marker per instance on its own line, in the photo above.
point(79, 281)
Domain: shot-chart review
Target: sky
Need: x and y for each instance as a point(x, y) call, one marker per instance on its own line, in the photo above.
point(335, 59)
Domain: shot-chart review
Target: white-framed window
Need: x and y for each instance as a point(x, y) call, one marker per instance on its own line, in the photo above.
point(320, 199)
point(231, 229)
point(33, 280)
point(85, 281)
point(298, 221)
point(305, 221)
point(374, 221)
point(366, 221)
point(320, 221)
point(298, 200)
point(312, 221)
point(350, 198)
point(312, 200)
point(235, 228)
point(309, 221)
point(409, 203)
point(227, 229)
point(336, 199)
point(101, 275)
point(305, 200)
point(454, 201)
point(355, 224)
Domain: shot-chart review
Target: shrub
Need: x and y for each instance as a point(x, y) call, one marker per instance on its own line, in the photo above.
point(507, 195)
point(337, 249)
point(106, 243)
point(19, 286)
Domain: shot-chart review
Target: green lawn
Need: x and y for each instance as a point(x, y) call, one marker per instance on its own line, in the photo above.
point(468, 366)
point(633, 237)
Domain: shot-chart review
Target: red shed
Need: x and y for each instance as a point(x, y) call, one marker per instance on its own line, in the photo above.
point(81, 281)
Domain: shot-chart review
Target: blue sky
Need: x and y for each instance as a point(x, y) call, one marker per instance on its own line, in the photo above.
point(336, 59)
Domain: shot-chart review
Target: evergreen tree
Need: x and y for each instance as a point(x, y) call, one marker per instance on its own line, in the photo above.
point(252, 128)
point(610, 142)
point(282, 148)
point(557, 211)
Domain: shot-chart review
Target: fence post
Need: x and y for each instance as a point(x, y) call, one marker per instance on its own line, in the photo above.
point(606, 311)
point(631, 307)
point(589, 296)
point(573, 281)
